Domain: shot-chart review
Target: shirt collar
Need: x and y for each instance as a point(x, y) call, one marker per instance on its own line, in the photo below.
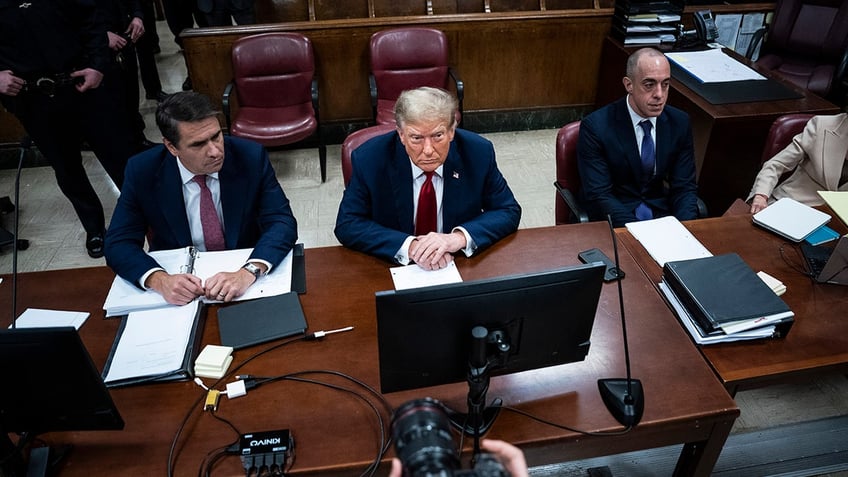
point(417, 171)
point(636, 119)
point(187, 176)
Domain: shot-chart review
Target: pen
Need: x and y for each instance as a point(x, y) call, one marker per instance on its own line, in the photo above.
point(191, 256)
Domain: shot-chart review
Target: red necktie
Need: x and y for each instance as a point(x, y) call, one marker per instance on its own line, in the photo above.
point(213, 232)
point(426, 218)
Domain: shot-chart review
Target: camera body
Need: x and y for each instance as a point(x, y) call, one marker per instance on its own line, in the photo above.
point(421, 431)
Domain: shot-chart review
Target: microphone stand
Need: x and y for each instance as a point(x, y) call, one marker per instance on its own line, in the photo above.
point(17, 243)
point(624, 398)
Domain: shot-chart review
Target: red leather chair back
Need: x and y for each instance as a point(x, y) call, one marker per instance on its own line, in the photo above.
point(782, 130)
point(356, 139)
point(566, 168)
point(406, 58)
point(273, 70)
point(807, 41)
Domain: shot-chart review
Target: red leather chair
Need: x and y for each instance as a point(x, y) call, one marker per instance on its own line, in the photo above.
point(356, 139)
point(277, 92)
point(782, 130)
point(566, 207)
point(807, 43)
point(408, 58)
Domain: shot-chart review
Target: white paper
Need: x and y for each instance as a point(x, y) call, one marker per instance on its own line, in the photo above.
point(413, 276)
point(686, 319)
point(728, 29)
point(39, 318)
point(124, 296)
point(713, 66)
point(667, 240)
point(153, 342)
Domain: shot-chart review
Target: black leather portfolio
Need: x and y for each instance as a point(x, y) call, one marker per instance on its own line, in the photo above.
point(745, 91)
point(186, 369)
point(258, 321)
point(723, 289)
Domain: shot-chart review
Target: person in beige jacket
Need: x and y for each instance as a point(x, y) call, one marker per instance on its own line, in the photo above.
point(817, 156)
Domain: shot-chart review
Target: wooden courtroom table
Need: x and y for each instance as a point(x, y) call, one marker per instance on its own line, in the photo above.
point(818, 340)
point(337, 434)
point(729, 138)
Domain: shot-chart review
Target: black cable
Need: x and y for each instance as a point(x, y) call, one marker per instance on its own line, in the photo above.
point(174, 442)
point(563, 427)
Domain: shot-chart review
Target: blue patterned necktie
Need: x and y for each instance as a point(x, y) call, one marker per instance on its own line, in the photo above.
point(647, 155)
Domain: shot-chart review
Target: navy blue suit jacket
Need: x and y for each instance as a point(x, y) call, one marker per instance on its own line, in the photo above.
point(610, 166)
point(255, 209)
point(376, 212)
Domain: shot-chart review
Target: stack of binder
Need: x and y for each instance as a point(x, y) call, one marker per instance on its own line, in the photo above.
point(640, 22)
point(720, 298)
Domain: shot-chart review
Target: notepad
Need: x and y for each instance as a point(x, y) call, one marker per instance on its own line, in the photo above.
point(791, 219)
point(258, 321)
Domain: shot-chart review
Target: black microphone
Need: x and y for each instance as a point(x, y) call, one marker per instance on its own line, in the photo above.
point(623, 397)
point(26, 143)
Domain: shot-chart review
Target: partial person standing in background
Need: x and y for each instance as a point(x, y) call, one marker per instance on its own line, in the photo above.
point(58, 77)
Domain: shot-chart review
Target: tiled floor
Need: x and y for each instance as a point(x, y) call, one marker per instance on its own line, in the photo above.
point(526, 159)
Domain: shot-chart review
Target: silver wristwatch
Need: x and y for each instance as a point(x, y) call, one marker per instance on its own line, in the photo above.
point(256, 271)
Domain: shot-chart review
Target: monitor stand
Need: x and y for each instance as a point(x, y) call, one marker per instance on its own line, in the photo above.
point(479, 418)
point(39, 464)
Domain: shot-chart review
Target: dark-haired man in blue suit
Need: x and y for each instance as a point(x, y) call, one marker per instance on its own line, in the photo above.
point(199, 189)
point(385, 211)
point(635, 156)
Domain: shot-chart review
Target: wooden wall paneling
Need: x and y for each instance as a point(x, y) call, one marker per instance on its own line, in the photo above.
point(514, 5)
point(340, 9)
point(275, 11)
point(570, 4)
point(466, 6)
point(530, 63)
point(393, 8)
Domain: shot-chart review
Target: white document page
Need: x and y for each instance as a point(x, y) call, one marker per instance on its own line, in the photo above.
point(838, 202)
point(153, 342)
point(125, 296)
point(38, 318)
point(667, 240)
point(413, 276)
point(687, 321)
point(713, 66)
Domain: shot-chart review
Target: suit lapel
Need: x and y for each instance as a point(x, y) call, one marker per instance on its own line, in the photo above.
point(168, 193)
point(233, 184)
point(663, 135)
point(834, 146)
point(400, 181)
point(452, 176)
point(626, 137)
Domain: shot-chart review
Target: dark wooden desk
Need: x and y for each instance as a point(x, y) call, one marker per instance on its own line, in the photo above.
point(729, 138)
point(817, 342)
point(336, 434)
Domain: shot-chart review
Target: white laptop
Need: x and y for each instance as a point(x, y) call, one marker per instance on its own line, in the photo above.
point(791, 219)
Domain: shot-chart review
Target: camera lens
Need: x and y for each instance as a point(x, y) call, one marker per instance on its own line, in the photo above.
point(423, 440)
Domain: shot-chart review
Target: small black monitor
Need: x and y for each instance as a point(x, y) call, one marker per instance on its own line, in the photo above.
point(51, 384)
point(541, 319)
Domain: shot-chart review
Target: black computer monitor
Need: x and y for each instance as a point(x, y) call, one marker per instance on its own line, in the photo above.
point(50, 384)
point(542, 319)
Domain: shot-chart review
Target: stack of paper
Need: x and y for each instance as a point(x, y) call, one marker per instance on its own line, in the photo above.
point(667, 240)
point(213, 361)
point(776, 285)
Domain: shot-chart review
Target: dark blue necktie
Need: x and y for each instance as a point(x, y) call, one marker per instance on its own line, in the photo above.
point(643, 212)
point(648, 153)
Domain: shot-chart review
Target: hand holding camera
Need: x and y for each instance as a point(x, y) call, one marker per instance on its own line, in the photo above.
point(421, 431)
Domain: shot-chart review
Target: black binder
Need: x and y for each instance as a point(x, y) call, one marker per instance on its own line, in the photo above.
point(186, 370)
point(258, 321)
point(722, 289)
